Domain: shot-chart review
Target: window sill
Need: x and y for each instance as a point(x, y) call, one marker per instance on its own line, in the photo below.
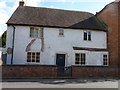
point(87, 40)
point(60, 36)
point(91, 65)
point(32, 63)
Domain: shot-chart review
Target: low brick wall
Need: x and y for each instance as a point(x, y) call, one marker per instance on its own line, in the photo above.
point(29, 71)
point(22, 71)
point(95, 71)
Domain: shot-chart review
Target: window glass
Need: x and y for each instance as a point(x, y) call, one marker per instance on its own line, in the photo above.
point(89, 36)
point(36, 32)
point(61, 32)
point(85, 35)
point(80, 58)
point(37, 57)
point(105, 60)
point(31, 32)
point(33, 57)
point(29, 57)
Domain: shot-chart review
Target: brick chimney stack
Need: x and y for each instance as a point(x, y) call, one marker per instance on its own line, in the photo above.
point(21, 3)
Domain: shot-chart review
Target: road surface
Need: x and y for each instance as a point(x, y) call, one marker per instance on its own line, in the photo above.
point(60, 83)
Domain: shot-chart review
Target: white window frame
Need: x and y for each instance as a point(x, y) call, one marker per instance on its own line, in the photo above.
point(36, 32)
point(80, 58)
point(87, 38)
point(106, 60)
point(32, 56)
point(61, 32)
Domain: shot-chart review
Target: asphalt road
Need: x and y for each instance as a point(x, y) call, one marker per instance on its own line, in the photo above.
point(60, 83)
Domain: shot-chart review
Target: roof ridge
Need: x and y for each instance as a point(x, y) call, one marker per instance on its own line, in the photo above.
point(60, 9)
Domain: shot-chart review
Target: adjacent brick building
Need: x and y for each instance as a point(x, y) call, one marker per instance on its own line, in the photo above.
point(110, 15)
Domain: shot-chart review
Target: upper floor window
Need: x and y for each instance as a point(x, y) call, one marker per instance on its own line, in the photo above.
point(33, 57)
point(105, 59)
point(61, 32)
point(80, 58)
point(36, 32)
point(87, 36)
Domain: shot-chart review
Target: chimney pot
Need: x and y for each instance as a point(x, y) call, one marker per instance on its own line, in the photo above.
point(21, 3)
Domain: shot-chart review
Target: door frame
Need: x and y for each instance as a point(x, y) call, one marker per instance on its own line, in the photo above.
point(66, 57)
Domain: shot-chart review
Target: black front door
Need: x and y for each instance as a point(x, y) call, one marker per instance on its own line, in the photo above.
point(60, 62)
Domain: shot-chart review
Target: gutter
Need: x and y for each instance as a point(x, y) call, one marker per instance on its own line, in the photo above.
point(56, 27)
point(13, 43)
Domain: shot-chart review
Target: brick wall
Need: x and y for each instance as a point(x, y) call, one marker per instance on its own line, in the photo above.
point(110, 16)
point(119, 33)
point(29, 71)
point(94, 71)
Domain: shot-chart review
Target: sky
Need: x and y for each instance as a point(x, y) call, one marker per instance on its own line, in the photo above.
point(7, 7)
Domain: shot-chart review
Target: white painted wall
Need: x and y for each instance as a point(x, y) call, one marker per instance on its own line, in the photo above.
point(9, 42)
point(55, 44)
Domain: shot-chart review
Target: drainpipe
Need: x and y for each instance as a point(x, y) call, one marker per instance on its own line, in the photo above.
point(13, 44)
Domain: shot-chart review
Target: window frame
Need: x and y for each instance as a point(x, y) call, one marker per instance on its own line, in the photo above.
point(61, 33)
point(87, 36)
point(36, 32)
point(105, 60)
point(80, 59)
point(35, 60)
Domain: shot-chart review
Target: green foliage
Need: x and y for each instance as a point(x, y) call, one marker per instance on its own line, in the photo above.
point(3, 40)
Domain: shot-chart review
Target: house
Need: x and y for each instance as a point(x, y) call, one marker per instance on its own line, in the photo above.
point(54, 37)
point(110, 15)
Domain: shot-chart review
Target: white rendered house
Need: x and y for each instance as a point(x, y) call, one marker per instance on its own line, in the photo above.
point(44, 36)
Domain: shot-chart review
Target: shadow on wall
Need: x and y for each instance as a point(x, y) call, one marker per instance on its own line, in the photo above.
point(4, 58)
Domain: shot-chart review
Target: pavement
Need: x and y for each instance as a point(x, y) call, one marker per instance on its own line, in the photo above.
point(60, 83)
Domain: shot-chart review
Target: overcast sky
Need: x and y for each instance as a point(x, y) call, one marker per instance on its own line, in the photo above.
point(7, 7)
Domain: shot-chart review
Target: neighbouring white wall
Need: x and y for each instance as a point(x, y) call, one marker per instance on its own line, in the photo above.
point(93, 58)
point(53, 44)
point(9, 41)
point(22, 39)
point(74, 38)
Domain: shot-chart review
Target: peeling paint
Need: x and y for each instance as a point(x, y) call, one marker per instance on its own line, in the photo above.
point(28, 48)
point(9, 50)
point(42, 40)
point(42, 45)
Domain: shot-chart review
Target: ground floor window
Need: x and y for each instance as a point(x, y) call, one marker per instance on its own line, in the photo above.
point(80, 58)
point(105, 59)
point(33, 57)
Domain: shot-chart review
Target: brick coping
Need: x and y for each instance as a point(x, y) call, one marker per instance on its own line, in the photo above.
point(31, 65)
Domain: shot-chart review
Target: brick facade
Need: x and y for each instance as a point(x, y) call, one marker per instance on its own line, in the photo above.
point(28, 71)
point(109, 15)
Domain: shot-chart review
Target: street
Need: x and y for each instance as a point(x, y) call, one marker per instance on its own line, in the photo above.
point(60, 83)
